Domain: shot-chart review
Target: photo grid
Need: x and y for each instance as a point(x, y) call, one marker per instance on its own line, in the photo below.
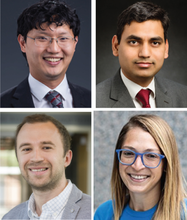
point(93, 110)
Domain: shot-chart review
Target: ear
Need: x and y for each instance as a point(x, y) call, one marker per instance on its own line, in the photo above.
point(166, 50)
point(115, 45)
point(22, 43)
point(68, 158)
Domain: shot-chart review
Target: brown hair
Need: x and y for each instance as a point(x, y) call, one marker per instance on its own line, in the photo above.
point(171, 203)
point(31, 119)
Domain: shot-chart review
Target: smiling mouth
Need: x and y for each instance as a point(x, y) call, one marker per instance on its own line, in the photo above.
point(38, 170)
point(52, 59)
point(138, 177)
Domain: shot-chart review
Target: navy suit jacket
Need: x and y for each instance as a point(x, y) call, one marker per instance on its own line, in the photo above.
point(20, 96)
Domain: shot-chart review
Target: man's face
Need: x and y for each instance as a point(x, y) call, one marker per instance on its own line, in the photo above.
point(141, 51)
point(41, 156)
point(41, 61)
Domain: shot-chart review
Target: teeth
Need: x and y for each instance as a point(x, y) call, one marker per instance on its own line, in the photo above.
point(138, 177)
point(38, 170)
point(52, 59)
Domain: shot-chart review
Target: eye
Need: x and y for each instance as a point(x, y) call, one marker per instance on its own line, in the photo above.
point(151, 156)
point(42, 38)
point(156, 43)
point(47, 148)
point(133, 42)
point(26, 149)
point(62, 39)
point(127, 153)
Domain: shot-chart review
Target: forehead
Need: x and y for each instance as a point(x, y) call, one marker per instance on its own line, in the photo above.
point(53, 29)
point(146, 29)
point(38, 131)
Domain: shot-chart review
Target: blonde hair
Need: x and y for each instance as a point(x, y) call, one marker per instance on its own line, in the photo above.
point(171, 203)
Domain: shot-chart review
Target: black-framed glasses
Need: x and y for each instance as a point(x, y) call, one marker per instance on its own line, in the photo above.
point(149, 159)
point(44, 41)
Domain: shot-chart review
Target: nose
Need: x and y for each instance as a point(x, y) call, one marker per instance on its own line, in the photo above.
point(53, 47)
point(37, 156)
point(138, 164)
point(144, 51)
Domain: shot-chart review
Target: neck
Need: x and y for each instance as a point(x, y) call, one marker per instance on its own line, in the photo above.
point(42, 197)
point(144, 202)
point(51, 82)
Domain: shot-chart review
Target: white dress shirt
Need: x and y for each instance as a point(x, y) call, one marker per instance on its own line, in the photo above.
point(53, 209)
point(39, 90)
point(134, 88)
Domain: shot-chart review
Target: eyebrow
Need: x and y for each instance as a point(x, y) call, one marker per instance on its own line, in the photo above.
point(134, 37)
point(147, 150)
point(42, 143)
point(47, 33)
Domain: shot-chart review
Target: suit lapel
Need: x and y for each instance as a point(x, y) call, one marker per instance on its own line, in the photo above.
point(162, 99)
point(77, 97)
point(120, 94)
point(71, 208)
point(22, 96)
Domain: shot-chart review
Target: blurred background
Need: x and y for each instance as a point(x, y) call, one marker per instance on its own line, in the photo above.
point(107, 126)
point(13, 188)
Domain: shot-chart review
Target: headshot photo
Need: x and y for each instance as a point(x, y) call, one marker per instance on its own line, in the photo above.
point(49, 45)
point(140, 165)
point(45, 166)
point(140, 54)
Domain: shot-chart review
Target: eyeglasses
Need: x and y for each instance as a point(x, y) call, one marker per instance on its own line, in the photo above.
point(44, 41)
point(149, 159)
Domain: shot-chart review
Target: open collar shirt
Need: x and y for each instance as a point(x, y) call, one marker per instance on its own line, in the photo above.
point(39, 91)
point(53, 209)
point(134, 88)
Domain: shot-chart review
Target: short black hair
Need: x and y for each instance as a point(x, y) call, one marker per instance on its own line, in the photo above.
point(47, 11)
point(140, 12)
point(43, 118)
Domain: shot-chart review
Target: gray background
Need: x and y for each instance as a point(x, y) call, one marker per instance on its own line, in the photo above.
point(107, 126)
point(107, 12)
point(13, 65)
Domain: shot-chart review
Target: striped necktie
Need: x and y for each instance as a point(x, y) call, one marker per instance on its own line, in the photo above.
point(55, 99)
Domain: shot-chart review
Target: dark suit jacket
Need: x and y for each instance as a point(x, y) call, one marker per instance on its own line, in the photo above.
point(77, 207)
point(112, 93)
point(20, 96)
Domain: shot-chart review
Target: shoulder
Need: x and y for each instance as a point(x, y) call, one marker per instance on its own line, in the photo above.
point(104, 211)
point(18, 212)
point(104, 86)
point(6, 96)
point(81, 96)
point(170, 84)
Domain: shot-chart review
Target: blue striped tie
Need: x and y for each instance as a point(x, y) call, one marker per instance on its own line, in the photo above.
point(55, 99)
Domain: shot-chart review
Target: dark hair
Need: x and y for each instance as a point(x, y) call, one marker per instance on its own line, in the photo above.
point(140, 12)
point(31, 119)
point(48, 11)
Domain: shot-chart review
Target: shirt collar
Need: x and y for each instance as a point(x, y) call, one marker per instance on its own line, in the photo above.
point(39, 90)
point(134, 88)
point(56, 204)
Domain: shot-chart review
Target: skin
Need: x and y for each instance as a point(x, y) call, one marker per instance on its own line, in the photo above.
point(49, 73)
point(144, 194)
point(141, 51)
point(39, 146)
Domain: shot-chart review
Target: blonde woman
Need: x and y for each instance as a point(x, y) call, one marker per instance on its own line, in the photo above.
point(146, 181)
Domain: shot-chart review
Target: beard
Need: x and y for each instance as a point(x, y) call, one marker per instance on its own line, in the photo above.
point(37, 183)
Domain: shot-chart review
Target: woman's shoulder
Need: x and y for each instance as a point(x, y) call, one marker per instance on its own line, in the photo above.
point(104, 211)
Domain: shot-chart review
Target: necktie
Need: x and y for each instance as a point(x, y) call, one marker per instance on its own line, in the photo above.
point(55, 99)
point(143, 97)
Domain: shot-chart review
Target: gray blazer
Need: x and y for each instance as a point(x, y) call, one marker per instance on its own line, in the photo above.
point(77, 207)
point(112, 93)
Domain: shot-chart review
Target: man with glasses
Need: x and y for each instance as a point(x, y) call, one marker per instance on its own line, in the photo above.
point(47, 34)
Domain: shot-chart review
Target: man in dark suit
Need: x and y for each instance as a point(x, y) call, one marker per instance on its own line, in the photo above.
point(141, 44)
point(47, 34)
